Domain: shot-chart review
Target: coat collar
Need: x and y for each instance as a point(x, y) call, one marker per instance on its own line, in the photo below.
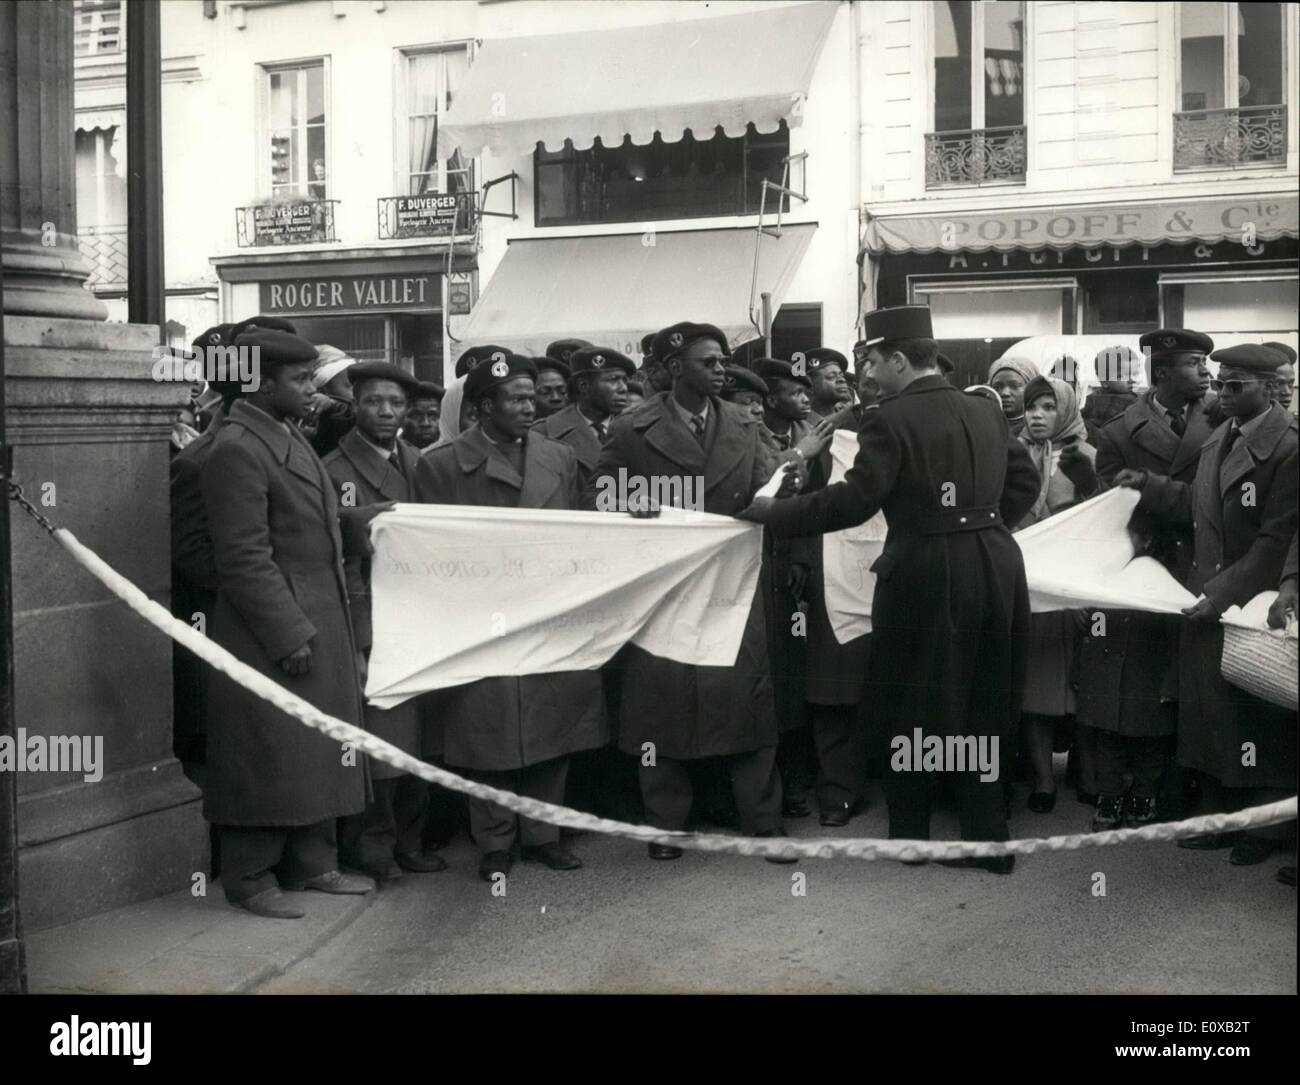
point(584, 441)
point(1251, 449)
point(376, 470)
point(543, 465)
point(1150, 431)
point(288, 446)
point(662, 426)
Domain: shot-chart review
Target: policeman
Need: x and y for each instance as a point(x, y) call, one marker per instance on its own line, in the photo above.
point(745, 389)
point(599, 383)
point(951, 607)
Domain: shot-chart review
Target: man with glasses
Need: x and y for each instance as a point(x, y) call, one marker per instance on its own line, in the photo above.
point(1242, 508)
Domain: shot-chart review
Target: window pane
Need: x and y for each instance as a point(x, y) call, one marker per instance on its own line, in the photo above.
point(1259, 54)
point(1201, 55)
point(316, 94)
point(952, 57)
point(316, 179)
point(1004, 61)
point(964, 315)
point(284, 103)
point(423, 83)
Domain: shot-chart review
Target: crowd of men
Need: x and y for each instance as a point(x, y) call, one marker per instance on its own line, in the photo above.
point(273, 488)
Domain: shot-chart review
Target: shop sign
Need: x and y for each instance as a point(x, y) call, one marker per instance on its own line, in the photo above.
point(350, 293)
point(460, 293)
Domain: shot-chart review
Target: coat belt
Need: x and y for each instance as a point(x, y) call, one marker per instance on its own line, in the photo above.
point(949, 521)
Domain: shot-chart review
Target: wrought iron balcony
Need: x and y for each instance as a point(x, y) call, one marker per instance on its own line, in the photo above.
point(981, 156)
point(433, 214)
point(1209, 139)
point(286, 223)
point(105, 247)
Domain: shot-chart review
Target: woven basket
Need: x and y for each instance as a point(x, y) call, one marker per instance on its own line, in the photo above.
point(1263, 663)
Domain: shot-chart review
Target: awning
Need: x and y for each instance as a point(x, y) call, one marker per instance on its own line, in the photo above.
point(692, 73)
point(612, 290)
point(87, 120)
point(1154, 223)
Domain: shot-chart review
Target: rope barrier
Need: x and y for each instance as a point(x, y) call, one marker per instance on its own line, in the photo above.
point(781, 847)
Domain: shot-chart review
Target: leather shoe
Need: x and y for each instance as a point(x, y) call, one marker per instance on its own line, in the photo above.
point(492, 864)
point(1042, 802)
point(1250, 850)
point(422, 863)
point(1085, 798)
point(839, 815)
point(1286, 875)
point(270, 904)
point(335, 881)
point(382, 872)
point(994, 864)
point(777, 858)
point(795, 808)
point(554, 855)
point(664, 851)
point(1208, 842)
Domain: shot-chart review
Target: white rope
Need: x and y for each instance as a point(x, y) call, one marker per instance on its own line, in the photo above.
point(784, 847)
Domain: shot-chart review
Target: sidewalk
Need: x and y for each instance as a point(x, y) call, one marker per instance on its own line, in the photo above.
point(181, 944)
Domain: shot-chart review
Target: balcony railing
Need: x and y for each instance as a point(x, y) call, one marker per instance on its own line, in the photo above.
point(434, 214)
point(293, 223)
point(982, 156)
point(1209, 139)
point(105, 247)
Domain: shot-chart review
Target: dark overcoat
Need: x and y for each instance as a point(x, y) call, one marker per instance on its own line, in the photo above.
point(279, 561)
point(950, 615)
point(1242, 507)
point(691, 711)
point(572, 428)
point(1101, 407)
point(1127, 674)
point(509, 723)
point(363, 477)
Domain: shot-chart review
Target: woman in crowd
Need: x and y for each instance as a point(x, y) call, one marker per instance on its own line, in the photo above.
point(1054, 433)
point(1009, 377)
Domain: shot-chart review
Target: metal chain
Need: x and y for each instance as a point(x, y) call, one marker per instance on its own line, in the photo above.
point(16, 495)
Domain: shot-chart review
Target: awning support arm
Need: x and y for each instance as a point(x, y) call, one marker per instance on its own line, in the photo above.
point(513, 213)
point(760, 320)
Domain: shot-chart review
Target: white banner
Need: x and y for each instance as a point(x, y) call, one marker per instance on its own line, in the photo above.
point(847, 556)
point(462, 592)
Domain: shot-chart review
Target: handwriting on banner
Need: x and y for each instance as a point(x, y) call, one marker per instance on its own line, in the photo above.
point(506, 567)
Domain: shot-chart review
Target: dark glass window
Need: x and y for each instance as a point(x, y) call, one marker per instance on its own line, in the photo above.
point(692, 178)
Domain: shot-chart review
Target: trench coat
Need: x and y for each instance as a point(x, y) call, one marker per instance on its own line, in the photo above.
point(1126, 676)
point(363, 477)
point(1241, 549)
point(507, 722)
point(691, 711)
point(572, 428)
point(279, 561)
point(950, 615)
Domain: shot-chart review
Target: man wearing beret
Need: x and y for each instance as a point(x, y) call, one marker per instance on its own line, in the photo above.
point(551, 389)
point(372, 467)
point(473, 356)
point(1284, 381)
point(599, 383)
point(1242, 508)
point(420, 428)
point(653, 371)
point(275, 786)
point(1128, 680)
point(826, 369)
point(950, 614)
point(745, 389)
point(514, 733)
point(686, 712)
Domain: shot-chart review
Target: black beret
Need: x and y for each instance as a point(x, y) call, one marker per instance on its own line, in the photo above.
point(497, 371)
point(1284, 350)
point(561, 349)
point(363, 371)
point(647, 344)
point(471, 358)
point(820, 356)
point(741, 380)
point(748, 353)
point(899, 322)
point(216, 336)
point(772, 370)
point(275, 348)
point(1175, 344)
point(430, 390)
point(600, 360)
point(944, 363)
point(1252, 358)
point(674, 339)
point(273, 323)
point(547, 361)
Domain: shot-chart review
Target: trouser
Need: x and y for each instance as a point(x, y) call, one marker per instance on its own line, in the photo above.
point(494, 828)
point(981, 808)
point(1143, 757)
point(392, 824)
point(1241, 798)
point(841, 741)
point(794, 761)
point(253, 857)
point(603, 782)
point(666, 791)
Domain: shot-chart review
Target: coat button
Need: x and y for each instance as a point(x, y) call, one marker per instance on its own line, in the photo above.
point(1217, 568)
point(961, 519)
point(993, 515)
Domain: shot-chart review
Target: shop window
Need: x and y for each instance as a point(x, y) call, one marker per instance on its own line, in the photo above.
point(1123, 302)
point(1230, 71)
point(979, 310)
point(1232, 309)
point(978, 93)
point(297, 157)
point(364, 338)
point(101, 205)
point(689, 178)
point(431, 81)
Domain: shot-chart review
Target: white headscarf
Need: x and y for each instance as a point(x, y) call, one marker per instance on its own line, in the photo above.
point(449, 416)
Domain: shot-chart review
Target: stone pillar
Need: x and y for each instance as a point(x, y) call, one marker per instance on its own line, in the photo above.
point(89, 429)
point(43, 270)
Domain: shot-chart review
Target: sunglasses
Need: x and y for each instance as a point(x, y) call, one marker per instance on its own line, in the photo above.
point(1233, 387)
